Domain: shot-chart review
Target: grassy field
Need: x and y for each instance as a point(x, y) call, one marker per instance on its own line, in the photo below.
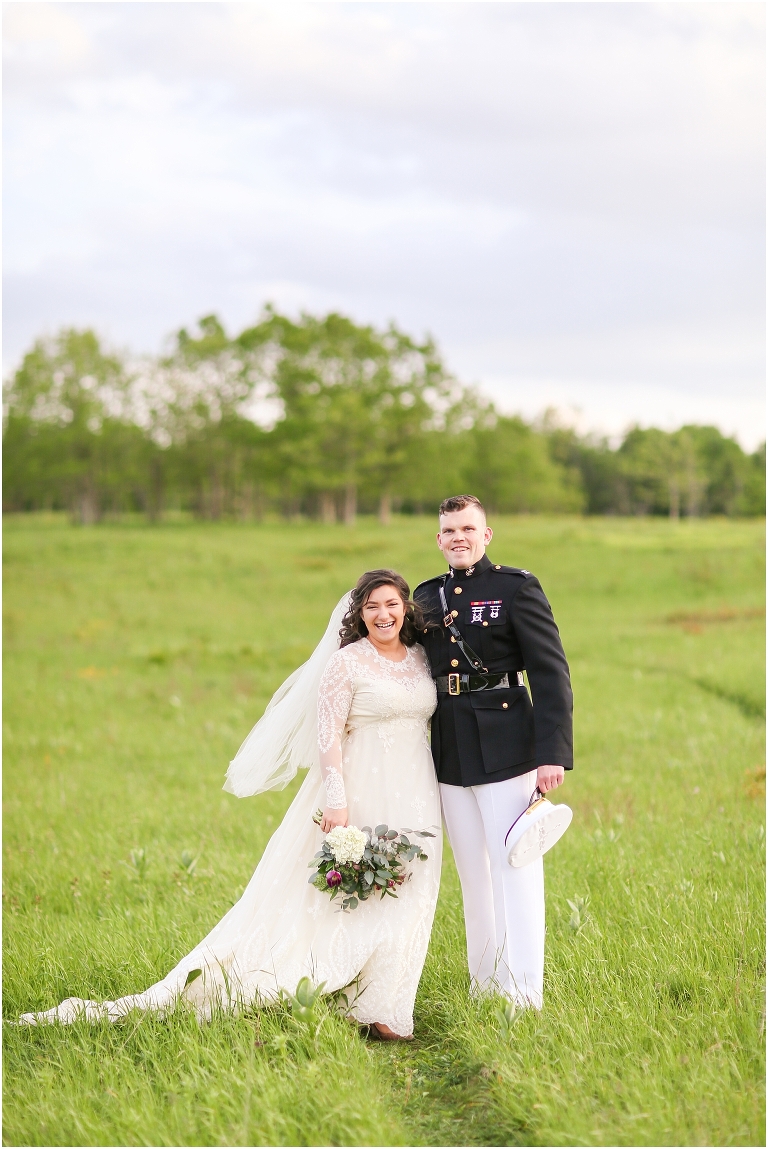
point(137, 659)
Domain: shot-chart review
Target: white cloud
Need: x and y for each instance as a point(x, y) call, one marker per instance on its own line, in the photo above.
point(563, 193)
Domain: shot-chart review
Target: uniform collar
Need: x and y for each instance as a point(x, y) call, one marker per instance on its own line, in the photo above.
point(480, 567)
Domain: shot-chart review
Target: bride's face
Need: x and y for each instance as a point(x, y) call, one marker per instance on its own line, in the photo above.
point(383, 613)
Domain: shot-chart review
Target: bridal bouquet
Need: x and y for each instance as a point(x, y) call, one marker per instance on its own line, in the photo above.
point(357, 863)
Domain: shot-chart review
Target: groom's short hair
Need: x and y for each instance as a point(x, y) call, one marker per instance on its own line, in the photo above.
point(459, 503)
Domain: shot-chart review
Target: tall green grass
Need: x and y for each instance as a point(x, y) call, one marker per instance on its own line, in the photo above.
point(137, 659)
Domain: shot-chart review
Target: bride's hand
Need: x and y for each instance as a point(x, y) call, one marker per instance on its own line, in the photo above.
point(333, 818)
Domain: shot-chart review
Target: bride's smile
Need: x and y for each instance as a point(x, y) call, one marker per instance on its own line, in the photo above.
point(383, 614)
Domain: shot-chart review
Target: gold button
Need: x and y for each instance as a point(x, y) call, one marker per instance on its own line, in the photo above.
point(498, 568)
point(457, 590)
point(454, 662)
point(425, 630)
point(505, 706)
point(485, 624)
point(455, 613)
point(452, 639)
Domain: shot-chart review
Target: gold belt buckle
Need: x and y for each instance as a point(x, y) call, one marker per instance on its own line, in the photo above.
point(454, 680)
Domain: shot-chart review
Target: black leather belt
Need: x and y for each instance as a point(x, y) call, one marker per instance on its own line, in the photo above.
point(464, 683)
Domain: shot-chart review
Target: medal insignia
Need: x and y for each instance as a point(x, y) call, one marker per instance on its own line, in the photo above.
point(478, 608)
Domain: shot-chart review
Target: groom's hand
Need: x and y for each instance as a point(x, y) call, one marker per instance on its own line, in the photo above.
point(548, 777)
point(333, 818)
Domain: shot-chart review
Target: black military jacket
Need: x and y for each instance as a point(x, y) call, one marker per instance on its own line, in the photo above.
point(491, 735)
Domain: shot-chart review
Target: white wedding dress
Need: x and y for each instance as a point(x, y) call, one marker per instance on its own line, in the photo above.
point(372, 717)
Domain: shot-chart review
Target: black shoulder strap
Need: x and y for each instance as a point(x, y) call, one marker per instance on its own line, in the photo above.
point(474, 661)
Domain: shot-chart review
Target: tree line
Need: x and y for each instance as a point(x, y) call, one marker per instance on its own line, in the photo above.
point(323, 417)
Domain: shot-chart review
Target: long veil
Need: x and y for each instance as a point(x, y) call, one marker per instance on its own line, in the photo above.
point(284, 739)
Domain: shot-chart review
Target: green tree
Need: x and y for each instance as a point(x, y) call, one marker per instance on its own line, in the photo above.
point(722, 465)
point(694, 471)
point(355, 404)
point(70, 438)
point(512, 470)
point(752, 498)
point(218, 460)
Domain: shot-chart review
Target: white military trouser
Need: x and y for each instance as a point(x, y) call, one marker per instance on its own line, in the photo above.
point(503, 907)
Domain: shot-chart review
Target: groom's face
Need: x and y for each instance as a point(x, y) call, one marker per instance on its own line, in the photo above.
point(463, 537)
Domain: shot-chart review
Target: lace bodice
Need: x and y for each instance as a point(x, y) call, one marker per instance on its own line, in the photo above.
point(361, 687)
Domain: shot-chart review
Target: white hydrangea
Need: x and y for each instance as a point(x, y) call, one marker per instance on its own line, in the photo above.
point(347, 843)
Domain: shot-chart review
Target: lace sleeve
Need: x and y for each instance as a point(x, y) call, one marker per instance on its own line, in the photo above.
point(333, 702)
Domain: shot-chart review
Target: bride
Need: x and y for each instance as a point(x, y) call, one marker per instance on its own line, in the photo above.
point(356, 714)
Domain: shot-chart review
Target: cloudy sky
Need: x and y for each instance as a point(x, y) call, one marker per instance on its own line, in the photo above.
point(568, 196)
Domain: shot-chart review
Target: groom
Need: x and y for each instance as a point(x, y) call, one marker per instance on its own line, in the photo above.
point(490, 745)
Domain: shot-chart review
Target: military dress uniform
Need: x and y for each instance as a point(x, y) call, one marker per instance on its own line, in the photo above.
point(487, 741)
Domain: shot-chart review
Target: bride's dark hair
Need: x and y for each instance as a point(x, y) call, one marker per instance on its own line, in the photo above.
point(352, 626)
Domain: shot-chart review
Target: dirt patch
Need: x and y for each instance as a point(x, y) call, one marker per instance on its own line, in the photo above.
point(694, 621)
point(755, 782)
